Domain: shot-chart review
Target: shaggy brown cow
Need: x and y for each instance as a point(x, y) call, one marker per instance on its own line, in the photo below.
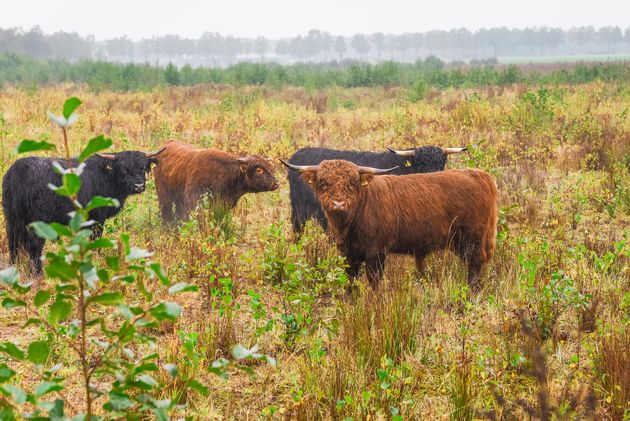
point(410, 214)
point(187, 172)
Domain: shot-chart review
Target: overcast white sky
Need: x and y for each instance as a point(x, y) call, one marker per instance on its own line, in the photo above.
point(285, 18)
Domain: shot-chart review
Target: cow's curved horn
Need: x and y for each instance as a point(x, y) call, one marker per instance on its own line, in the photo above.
point(152, 154)
point(244, 159)
point(406, 152)
point(109, 156)
point(454, 150)
point(375, 171)
point(299, 168)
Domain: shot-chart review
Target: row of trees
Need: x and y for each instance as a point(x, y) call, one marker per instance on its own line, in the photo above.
point(431, 73)
point(216, 49)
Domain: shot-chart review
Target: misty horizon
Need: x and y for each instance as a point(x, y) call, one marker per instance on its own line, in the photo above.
point(279, 19)
point(22, 30)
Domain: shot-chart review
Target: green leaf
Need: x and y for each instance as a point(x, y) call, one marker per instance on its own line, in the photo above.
point(5, 373)
point(113, 262)
point(62, 230)
point(32, 321)
point(11, 349)
point(195, 385)
point(32, 146)
point(59, 190)
point(182, 287)
point(219, 367)
point(45, 231)
point(100, 243)
point(239, 352)
point(171, 369)
point(61, 270)
point(119, 401)
point(95, 145)
point(108, 299)
point(10, 303)
point(15, 392)
point(160, 414)
point(9, 276)
point(144, 367)
point(124, 238)
point(38, 352)
point(47, 387)
point(41, 297)
point(147, 381)
point(57, 411)
point(137, 253)
point(71, 183)
point(125, 311)
point(100, 202)
point(157, 269)
point(166, 311)
point(76, 221)
point(59, 311)
point(70, 105)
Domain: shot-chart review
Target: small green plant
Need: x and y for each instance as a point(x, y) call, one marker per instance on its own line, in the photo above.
point(556, 296)
point(300, 284)
point(396, 382)
point(117, 356)
point(263, 323)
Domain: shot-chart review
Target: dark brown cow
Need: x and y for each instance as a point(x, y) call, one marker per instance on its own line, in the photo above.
point(187, 172)
point(410, 214)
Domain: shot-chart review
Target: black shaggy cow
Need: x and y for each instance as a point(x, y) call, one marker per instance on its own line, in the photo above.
point(304, 204)
point(26, 197)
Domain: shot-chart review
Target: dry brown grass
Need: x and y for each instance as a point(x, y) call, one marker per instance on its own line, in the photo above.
point(563, 173)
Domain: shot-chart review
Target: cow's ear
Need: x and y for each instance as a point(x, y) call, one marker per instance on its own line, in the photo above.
point(151, 161)
point(365, 179)
point(310, 177)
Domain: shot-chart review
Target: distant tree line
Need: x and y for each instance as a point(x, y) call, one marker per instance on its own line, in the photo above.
point(421, 75)
point(319, 46)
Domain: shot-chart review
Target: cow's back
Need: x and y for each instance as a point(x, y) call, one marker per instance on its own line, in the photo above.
point(403, 212)
point(25, 192)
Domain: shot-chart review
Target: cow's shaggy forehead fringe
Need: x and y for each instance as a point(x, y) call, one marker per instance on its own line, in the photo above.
point(132, 159)
point(338, 171)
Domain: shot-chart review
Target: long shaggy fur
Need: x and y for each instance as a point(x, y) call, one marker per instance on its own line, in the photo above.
point(304, 204)
point(185, 173)
point(410, 214)
point(26, 197)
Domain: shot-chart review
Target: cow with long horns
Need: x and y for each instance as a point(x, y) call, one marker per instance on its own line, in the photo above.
point(26, 197)
point(371, 214)
point(186, 173)
point(304, 204)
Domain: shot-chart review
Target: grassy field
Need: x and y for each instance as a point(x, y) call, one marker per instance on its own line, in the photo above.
point(550, 329)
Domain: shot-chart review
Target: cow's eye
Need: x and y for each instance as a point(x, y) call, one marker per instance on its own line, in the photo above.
point(259, 171)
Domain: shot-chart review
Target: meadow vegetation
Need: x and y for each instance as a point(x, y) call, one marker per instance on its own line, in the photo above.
point(547, 337)
point(429, 72)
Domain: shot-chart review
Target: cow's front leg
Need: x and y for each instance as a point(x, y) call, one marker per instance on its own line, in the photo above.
point(354, 266)
point(352, 270)
point(374, 267)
